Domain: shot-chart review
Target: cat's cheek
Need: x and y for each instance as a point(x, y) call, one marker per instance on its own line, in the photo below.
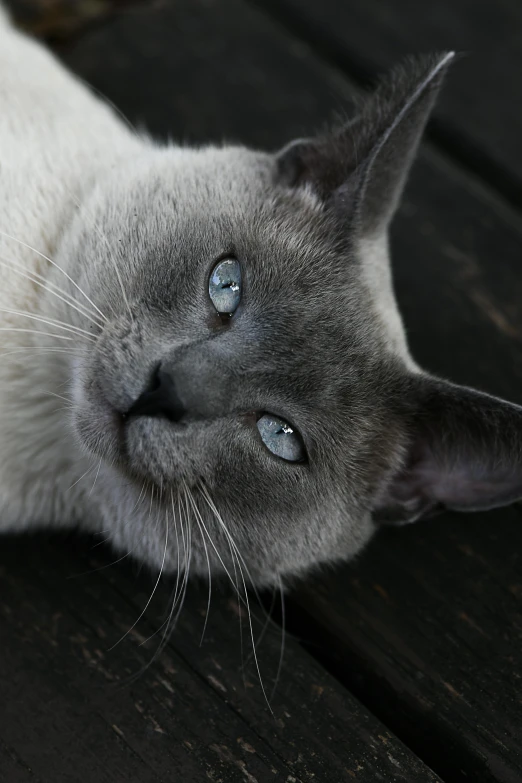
point(98, 431)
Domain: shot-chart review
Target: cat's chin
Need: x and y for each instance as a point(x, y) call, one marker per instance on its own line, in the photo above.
point(155, 449)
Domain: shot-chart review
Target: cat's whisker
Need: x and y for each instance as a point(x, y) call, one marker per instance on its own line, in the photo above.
point(283, 632)
point(57, 266)
point(167, 622)
point(101, 568)
point(135, 506)
point(212, 506)
point(37, 350)
point(163, 624)
point(59, 396)
point(209, 584)
point(185, 554)
point(241, 601)
point(178, 562)
point(225, 569)
point(188, 561)
point(59, 293)
point(265, 627)
point(235, 585)
point(34, 331)
point(210, 503)
point(113, 106)
point(50, 322)
point(239, 614)
point(249, 614)
point(171, 621)
point(151, 501)
point(153, 589)
point(89, 470)
point(104, 540)
point(95, 478)
point(64, 383)
point(209, 578)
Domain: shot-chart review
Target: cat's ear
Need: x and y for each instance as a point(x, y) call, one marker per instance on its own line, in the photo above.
point(360, 168)
point(464, 453)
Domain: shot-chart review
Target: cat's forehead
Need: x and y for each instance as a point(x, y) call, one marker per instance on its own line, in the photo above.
point(204, 203)
point(303, 294)
point(303, 286)
point(210, 191)
point(193, 178)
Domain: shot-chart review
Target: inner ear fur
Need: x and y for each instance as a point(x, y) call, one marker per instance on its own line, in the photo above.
point(464, 453)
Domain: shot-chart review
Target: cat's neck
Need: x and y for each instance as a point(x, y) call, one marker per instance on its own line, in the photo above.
point(56, 136)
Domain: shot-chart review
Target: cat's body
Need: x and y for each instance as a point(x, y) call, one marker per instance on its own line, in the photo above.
point(55, 138)
point(185, 416)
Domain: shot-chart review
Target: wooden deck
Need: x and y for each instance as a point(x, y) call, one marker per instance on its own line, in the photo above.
point(407, 665)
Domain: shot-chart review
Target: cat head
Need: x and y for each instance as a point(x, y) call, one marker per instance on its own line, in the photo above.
point(250, 378)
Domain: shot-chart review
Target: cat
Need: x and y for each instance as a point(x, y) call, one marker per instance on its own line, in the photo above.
point(201, 351)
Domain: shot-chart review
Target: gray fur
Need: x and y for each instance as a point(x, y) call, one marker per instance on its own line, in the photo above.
point(316, 340)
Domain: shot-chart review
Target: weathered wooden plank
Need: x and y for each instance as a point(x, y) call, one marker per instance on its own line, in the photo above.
point(311, 717)
point(13, 769)
point(229, 92)
point(66, 707)
point(431, 641)
point(428, 623)
point(71, 702)
point(457, 255)
point(479, 116)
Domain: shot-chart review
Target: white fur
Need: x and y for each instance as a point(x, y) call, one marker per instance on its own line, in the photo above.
point(54, 138)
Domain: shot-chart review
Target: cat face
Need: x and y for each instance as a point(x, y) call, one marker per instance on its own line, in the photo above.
point(251, 384)
point(277, 409)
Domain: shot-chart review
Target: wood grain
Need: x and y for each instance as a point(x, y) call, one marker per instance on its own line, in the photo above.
point(425, 627)
point(74, 709)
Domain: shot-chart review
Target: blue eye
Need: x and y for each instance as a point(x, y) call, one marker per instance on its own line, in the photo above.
point(224, 286)
point(280, 438)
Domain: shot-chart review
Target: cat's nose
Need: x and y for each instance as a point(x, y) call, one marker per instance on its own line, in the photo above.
point(159, 399)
